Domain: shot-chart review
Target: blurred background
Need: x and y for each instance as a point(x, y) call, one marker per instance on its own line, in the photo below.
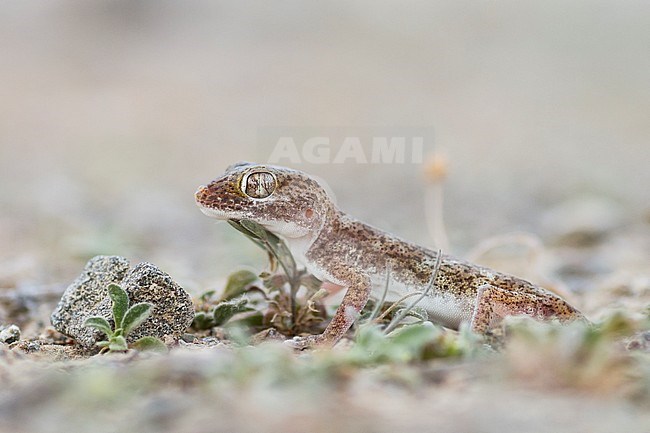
point(113, 112)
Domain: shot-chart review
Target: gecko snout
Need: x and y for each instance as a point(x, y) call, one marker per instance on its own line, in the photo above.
point(200, 193)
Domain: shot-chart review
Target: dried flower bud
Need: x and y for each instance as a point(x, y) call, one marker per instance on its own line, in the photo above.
point(436, 167)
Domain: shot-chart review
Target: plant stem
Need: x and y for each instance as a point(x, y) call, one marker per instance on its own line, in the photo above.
point(403, 314)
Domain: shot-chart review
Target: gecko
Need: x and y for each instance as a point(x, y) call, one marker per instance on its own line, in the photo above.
point(339, 249)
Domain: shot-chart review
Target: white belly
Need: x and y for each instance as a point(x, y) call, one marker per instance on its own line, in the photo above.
point(442, 308)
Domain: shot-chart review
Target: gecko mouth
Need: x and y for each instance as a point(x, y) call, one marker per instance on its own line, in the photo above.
point(201, 196)
point(212, 205)
point(215, 213)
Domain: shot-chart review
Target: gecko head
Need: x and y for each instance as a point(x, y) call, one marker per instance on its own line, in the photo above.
point(286, 202)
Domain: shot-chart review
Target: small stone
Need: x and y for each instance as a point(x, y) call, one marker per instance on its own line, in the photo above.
point(188, 338)
point(10, 334)
point(33, 346)
point(270, 334)
point(172, 313)
point(210, 341)
point(639, 342)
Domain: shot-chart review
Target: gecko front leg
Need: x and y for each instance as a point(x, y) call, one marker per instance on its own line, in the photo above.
point(358, 291)
point(495, 303)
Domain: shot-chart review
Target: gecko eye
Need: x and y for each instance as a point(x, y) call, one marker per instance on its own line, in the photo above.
point(258, 184)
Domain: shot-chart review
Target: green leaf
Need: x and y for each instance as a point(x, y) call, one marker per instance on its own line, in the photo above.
point(277, 249)
point(135, 316)
point(369, 338)
point(205, 297)
point(268, 241)
point(413, 337)
point(237, 283)
point(248, 234)
point(100, 324)
point(152, 344)
point(280, 250)
point(225, 310)
point(117, 344)
point(202, 320)
point(253, 320)
point(120, 303)
point(257, 230)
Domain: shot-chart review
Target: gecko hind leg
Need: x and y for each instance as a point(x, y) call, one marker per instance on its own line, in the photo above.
point(493, 304)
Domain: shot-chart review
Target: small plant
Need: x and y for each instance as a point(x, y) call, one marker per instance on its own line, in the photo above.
point(278, 253)
point(222, 313)
point(126, 320)
point(283, 310)
point(288, 313)
point(395, 315)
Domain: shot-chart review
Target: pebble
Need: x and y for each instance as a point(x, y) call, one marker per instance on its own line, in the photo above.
point(10, 334)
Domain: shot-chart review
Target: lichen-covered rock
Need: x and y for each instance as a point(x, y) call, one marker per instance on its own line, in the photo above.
point(84, 294)
point(172, 312)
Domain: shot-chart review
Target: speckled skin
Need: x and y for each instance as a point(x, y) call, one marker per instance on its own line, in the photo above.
point(344, 251)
